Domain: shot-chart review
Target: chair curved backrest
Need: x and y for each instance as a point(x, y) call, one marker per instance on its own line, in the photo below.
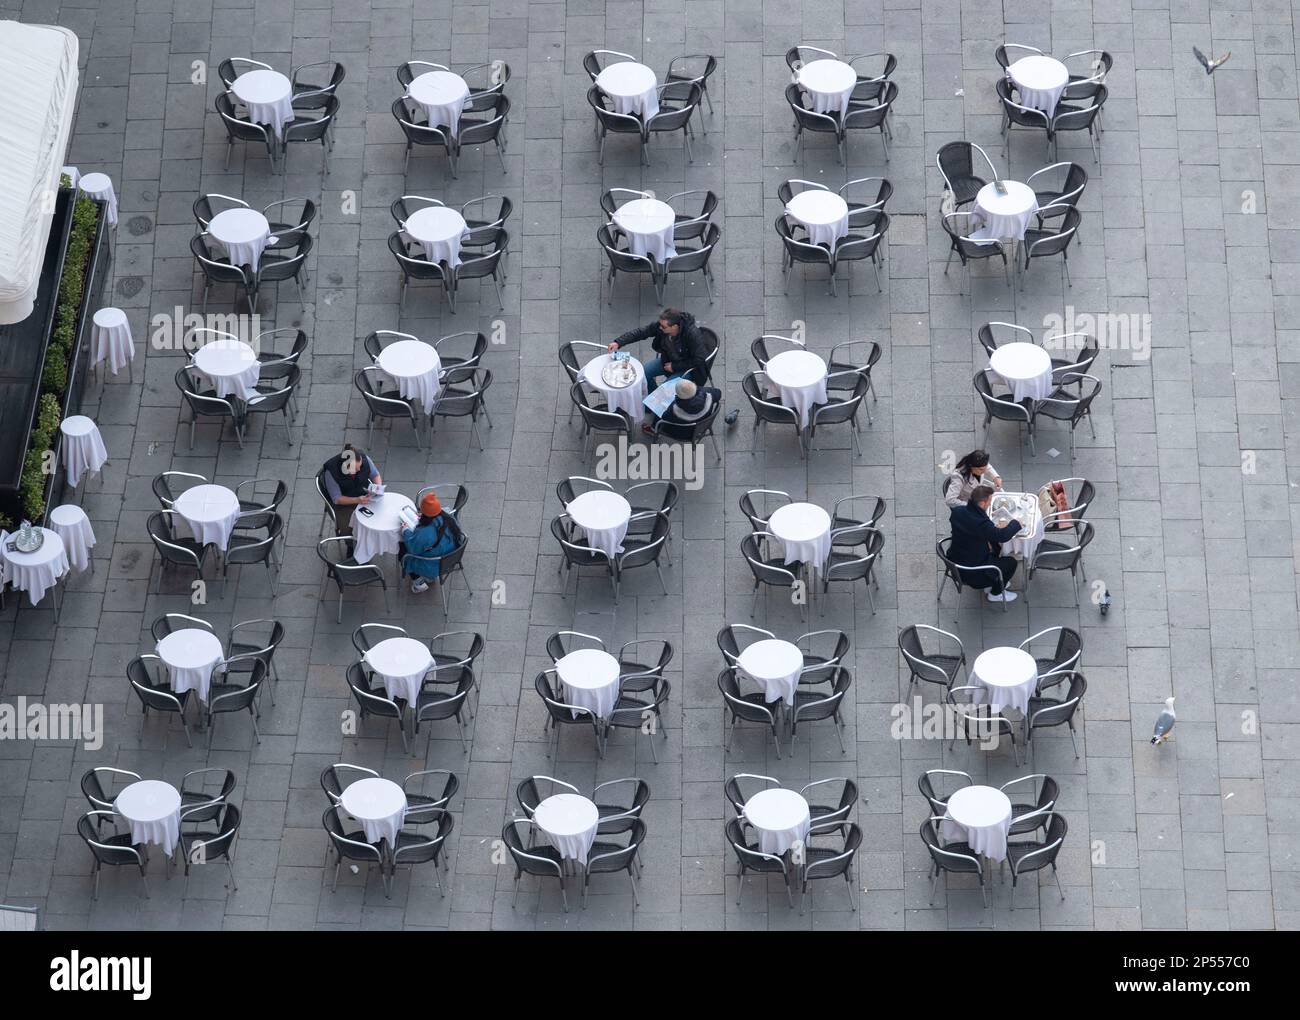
point(797, 56)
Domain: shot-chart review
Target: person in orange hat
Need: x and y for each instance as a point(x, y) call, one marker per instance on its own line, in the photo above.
point(435, 534)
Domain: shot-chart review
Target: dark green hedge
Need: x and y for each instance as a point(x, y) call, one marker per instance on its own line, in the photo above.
point(54, 378)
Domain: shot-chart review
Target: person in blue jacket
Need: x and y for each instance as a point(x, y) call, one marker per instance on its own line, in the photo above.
point(435, 534)
point(977, 542)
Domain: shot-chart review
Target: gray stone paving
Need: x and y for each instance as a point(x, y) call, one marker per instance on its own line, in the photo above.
point(1198, 554)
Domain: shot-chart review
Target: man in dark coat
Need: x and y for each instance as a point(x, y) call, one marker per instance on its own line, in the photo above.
point(347, 478)
point(977, 542)
point(678, 344)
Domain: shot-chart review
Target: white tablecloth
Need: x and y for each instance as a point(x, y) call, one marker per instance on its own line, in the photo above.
point(981, 817)
point(569, 822)
point(1026, 368)
point(628, 398)
point(633, 88)
point(210, 511)
point(36, 572)
point(1040, 81)
point(152, 810)
point(589, 678)
point(101, 186)
point(111, 340)
point(1006, 676)
point(1025, 544)
point(780, 817)
point(830, 83)
point(804, 530)
point(243, 233)
point(401, 664)
point(775, 665)
point(603, 516)
point(190, 654)
point(414, 366)
point(648, 224)
point(379, 805)
point(824, 214)
point(72, 525)
point(798, 379)
point(1005, 216)
point(439, 230)
point(83, 447)
point(379, 531)
point(443, 95)
point(268, 96)
point(231, 366)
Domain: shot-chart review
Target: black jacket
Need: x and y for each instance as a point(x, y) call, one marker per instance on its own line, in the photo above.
point(686, 351)
point(976, 540)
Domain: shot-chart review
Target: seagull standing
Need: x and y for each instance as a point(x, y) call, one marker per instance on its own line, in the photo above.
point(1165, 723)
point(1210, 65)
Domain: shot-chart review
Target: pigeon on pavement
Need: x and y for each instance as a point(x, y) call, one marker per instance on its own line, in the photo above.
point(1165, 723)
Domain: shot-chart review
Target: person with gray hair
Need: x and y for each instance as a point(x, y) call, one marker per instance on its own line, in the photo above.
point(691, 404)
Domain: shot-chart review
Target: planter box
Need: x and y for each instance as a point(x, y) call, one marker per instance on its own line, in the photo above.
point(23, 347)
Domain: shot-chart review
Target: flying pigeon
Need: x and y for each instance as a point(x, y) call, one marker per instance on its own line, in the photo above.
point(1164, 724)
point(1211, 65)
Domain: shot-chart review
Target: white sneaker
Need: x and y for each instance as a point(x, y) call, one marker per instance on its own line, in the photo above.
point(420, 585)
point(1007, 596)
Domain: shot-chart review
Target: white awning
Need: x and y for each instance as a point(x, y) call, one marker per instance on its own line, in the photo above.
point(38, 80)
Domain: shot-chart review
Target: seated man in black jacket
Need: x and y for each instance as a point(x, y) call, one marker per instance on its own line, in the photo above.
point(678, 345)
point(977, 542)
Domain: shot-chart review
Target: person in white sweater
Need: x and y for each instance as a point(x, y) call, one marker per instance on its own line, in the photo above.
point(972, 470)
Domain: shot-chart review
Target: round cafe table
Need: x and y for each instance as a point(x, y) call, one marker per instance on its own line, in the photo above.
point(36, 572)
point(440, 231)
point(648, 224)
point(780, 817)
point(231, 366)
point(603, 517)
point(804, 530)
point(378, 532)
point(152, 810)
point(632, 87)
point(244, 233)
point(1025, 543)
point(210, 511)
point(798, 379)
point(401, 663)
point(415, 367)
point(569, 822)
point(775, 665)
point(1006, 217)
point(589, 678)
point(1006, 678)
point(824, 214)
point(111, 340)
point(100, 186)
point(190, 655)
point(1040, 80)
point(627, 399)
point(442, 94)
point(979, 816)
point(84, 452)
point(379, 805)
point(72, 525)
point(1026, 368)
point(830, 83)
point(268, 95)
